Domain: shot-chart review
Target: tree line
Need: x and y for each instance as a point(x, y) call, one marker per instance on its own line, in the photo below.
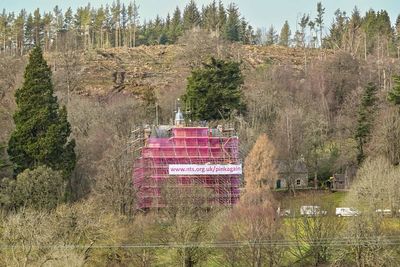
point(119, 25)
point(116, 25)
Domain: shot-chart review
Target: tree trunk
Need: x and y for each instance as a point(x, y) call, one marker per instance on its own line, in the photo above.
point(315, 180)
point(134, 35)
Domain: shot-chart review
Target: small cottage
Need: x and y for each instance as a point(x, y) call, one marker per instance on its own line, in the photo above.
point(291, 172)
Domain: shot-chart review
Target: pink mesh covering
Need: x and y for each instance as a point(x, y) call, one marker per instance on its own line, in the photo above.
point(188, 145)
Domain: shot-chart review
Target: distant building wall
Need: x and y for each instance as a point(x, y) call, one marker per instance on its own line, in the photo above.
point(296, 171)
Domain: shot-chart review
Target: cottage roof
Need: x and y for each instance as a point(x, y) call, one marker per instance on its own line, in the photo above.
point(286, 166)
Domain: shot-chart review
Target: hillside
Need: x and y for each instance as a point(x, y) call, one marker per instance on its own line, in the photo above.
point(133, 70)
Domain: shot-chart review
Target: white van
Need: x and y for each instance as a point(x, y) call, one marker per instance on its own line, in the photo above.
point(384, 212)
point(311, 211)
point(347, 212)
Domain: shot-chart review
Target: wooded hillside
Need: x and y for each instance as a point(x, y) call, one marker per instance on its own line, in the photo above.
point(330, 102)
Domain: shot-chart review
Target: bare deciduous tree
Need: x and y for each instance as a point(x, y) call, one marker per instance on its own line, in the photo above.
point(376, 187)
point(185, 221)
point(314, 234)
point(253, 225)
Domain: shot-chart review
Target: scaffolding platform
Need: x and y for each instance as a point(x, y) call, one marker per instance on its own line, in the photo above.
point(186, 145)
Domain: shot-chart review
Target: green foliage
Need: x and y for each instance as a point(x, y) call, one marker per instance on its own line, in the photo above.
point(232, 26)
point(284, 37)
point(163, 39)
point(191, 16)
point(3, 162)
point(175, 29)
point(7, 194)
point(41, 189)
point(5, 166)
point(272, 36)
point(394, 95)
point(319, 20)
point(336, 38)
point(365, 119)
point(375, 26)
point(41, 128)
point(214, 91)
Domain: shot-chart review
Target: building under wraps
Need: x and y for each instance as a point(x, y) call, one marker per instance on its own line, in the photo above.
point(185, 157)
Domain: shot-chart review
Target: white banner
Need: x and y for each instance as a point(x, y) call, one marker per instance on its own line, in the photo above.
point(197, 169)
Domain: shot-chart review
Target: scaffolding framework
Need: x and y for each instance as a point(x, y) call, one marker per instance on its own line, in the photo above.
point(187, 145)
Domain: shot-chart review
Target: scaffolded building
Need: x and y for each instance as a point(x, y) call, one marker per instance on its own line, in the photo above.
point(193, 148)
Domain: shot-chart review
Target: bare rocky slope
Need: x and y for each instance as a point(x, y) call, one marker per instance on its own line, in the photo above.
point(164, 68)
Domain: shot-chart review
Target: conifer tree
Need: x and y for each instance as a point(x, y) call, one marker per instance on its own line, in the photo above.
point(365, 119)
point(271, 36)
point(41, 128)
point(176, 25)
point(232, 26)
point(259, 168)
point(301, 35)
point(319, 20)
point(210, 16)
point(3, 162)
point(28, 33)
point(37, 27)
point(191, 16)
point(213, 92)
point(284, 37)
point(68, 19)
point(394, 95)
point(221, 16)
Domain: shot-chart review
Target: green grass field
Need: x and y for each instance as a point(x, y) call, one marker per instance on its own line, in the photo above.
point(326, 199)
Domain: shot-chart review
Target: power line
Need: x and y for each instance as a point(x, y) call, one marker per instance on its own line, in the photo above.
point(337, 242)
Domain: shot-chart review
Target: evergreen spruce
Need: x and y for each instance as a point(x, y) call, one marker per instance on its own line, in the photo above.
point(319, 20)
point(394, 95)
point(232, 26)
point(176, 25)
point(3, 161)
point(284, 37)
point(213, 92)
point(41, 127)
point(365, 119)
point(221, 16)
point(191, 16)
point(271, 37)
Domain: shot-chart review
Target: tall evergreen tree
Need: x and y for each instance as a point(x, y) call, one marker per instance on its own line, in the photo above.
point(221, 16)
point(365, 119)
point(98, 22)
point(133, 17)
point(213, 92)
point(3, 162)
point(232, 26)
point(176, 25)
point(19, 31)
point(301, 35)
point(3, 29)
point(271, 37)
point(191, 16)
point(38, 27)
point(68, 19)
point(243, 32)
point(394, 94)
point(337, 31)
point(28, 33)
point(41, 128)
point(319, 20)
point(210, 16)
point(57, 24)
point(284, 37)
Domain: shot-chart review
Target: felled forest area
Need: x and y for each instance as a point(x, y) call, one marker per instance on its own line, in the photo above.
point(74, 91)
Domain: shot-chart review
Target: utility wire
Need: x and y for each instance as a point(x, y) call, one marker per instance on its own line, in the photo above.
point(337, 242)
